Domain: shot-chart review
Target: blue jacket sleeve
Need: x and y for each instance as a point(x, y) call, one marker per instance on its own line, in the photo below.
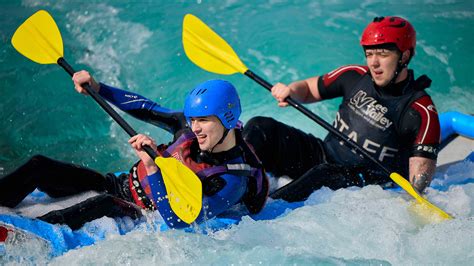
point(144, 109)
point(214, 205)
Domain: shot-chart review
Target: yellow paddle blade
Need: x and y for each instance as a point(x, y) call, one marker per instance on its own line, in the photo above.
point(183, 187)
point(207, 49)
point(39, 39)
point(402, 182)
point(424, 214)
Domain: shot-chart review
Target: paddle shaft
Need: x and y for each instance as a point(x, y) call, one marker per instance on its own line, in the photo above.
point(130, 131)
point(318, 120)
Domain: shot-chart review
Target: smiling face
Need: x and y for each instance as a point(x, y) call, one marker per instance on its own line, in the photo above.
point(208, 130)
point(382, 64)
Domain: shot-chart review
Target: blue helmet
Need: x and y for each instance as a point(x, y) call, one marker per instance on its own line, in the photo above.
point(214, 97)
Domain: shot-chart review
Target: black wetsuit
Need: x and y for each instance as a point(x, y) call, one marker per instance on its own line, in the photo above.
point(391, 124)
point(59, 179)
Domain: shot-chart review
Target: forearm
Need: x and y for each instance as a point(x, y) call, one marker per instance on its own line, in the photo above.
point(299, 90)
point(125, 100)
point(421, 172)
point(143, 108)
point(305, 91)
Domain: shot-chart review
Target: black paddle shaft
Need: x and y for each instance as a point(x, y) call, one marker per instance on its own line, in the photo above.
point(318, 120)
point(130, 131)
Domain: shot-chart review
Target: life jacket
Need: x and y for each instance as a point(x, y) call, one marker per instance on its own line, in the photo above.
point(373, 120)
point(257, 185)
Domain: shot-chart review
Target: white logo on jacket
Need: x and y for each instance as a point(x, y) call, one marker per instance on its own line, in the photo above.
point(370, 110)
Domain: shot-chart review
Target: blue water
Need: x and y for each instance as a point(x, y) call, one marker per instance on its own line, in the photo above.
point(136, 45)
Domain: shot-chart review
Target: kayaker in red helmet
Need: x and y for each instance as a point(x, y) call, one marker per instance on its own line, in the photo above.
point(384, 109)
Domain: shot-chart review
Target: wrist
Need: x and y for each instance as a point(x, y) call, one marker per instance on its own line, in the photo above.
point(96, 86)
point(151, 169)
point(420, 182)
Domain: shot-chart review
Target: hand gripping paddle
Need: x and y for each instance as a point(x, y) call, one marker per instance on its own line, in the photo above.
point(39, 39)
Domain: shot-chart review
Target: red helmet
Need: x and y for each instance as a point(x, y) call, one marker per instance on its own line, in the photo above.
point(390, 30)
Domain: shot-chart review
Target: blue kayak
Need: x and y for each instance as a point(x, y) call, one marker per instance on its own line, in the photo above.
point(60, 238)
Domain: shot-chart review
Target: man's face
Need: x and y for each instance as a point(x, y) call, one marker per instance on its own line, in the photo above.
point(382, 64)
point(208, 130)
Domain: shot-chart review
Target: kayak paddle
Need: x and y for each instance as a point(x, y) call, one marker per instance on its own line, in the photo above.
point(39, 39)
point(208, 50)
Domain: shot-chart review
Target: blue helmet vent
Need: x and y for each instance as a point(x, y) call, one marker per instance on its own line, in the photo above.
point(229, 116)
point(198, 91)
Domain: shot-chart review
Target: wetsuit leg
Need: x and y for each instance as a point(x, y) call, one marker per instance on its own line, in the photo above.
point(118, 186)
point(283, 150)
point(55, 178)
point(328, 175)
point(99, 206)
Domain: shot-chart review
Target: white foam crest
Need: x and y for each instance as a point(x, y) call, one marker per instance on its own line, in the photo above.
point(455, 14)
point(338, 224)
point(442, 57)
point(432, 51)
point(440, 2)
point(108, 39)
point(142, 247)
point(35, 3)
point(315, 8)
point(62, 5)
point(272, 67)
point(228, 3)
point(331, 23)
point(356, 224)
point(364, 4)
point(448, 243)
point(353, 15)
point(450, 72)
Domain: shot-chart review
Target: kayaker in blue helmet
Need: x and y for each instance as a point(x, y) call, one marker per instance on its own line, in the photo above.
point(384, 109)
point(207, 139)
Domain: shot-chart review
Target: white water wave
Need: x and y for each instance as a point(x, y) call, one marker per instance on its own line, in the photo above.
point(455, 14)
point(108, 40)
point(272, 67)
point(441, 56)
point(353, 225)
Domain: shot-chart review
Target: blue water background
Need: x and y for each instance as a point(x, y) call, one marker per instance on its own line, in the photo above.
point(136, 45)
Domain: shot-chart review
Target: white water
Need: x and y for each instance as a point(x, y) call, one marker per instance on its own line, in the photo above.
point(349, 226)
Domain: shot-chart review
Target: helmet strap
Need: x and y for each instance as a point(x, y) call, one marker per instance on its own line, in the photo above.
point(398, 70)
point(224, 135)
